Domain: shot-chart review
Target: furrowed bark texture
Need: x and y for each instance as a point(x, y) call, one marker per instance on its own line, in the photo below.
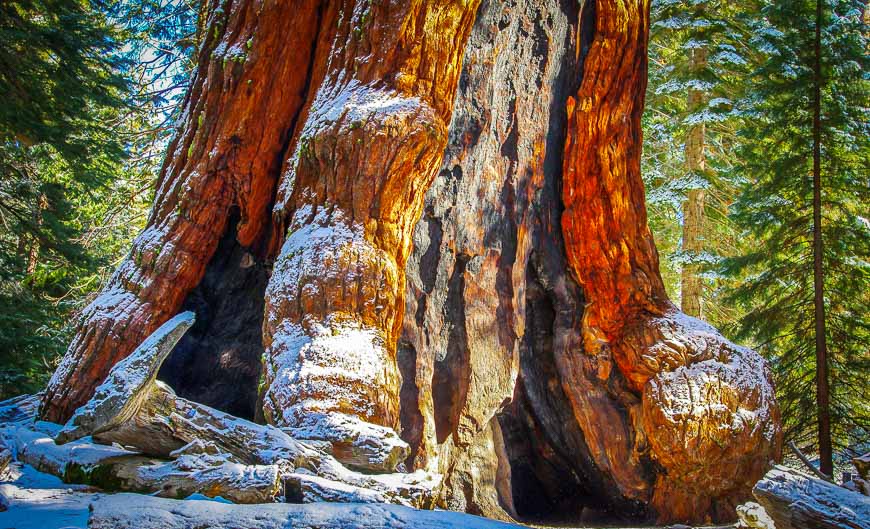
point(490, 301)
point(372, 140)
point(705, 423)
point(531, 358)
point(245, 95)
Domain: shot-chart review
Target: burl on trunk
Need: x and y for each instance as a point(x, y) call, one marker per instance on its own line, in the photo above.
point(706, 414)
point(531, 358)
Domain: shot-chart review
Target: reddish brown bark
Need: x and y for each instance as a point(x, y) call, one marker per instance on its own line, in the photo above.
point(245, 95)
point(703, 401)
point(353, 189)
point(607, 239)
point(365, 91)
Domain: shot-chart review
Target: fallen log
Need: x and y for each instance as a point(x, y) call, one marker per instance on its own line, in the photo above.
point(35, 447)
point(132, 409)
point(211, 476)
point(163, 422)
point(130, 511)
point(795, 500)
point(19, 410)
point(194, 469)
point(122, 393)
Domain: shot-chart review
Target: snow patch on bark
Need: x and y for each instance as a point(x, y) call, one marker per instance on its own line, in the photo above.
point(348, 104)
point(322, 373)
point(730, 392)
point(325, 365)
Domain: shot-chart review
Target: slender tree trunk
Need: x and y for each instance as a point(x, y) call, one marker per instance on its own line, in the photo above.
point(691, 287)
point(33, 248)
point(822, 390)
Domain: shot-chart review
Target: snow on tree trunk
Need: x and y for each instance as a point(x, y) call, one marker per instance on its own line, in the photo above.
point(245, 96)
point(537, 353)
point(373, 137)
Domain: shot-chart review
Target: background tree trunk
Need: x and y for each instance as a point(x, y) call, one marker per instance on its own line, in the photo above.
point(540, 367)
point(691, 287)
point(826, 464)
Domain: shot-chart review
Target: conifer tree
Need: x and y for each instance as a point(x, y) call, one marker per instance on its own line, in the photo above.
point(803, 153)
point(88, 88)
point(689, 140)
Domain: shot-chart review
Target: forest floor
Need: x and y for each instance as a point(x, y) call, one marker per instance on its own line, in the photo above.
point(35, 500)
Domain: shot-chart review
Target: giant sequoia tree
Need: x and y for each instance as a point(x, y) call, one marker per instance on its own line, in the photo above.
point(426, 218)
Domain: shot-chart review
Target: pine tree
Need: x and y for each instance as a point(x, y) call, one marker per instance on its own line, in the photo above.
point(88, 89)
point(689, 135)
point(803, 153)
point(58, 74)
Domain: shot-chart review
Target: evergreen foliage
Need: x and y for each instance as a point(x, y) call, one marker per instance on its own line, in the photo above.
point(680, 28)
point(60, 79)
point(774, 212)
point(89, 89)
point(759, 119)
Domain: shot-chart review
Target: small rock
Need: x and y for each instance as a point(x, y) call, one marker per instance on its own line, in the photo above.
point(5, 459)
point(751, 515)
point(862, 465)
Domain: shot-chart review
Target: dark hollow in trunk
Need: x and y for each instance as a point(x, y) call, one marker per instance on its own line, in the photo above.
point(547, 485)
point(218, 361)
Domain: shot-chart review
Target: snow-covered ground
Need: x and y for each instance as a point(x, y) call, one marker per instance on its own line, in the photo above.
point(35, 500)
point(30, 499)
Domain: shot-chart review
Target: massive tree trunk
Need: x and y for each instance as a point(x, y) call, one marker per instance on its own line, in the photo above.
point(699, 398)
point(532, 357)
